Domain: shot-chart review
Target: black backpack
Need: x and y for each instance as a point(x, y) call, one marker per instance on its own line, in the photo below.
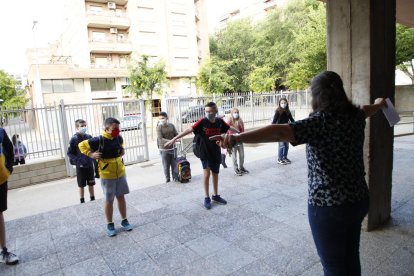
point(197, 145)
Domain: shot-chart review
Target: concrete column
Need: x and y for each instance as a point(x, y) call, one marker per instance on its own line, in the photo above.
point(361, 48)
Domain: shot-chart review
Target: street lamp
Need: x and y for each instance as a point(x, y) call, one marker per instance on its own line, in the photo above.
point(38, 86)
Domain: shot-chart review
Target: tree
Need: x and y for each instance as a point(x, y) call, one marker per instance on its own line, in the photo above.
point(212, 77)
point(310, 46)
point(12, 96)
point(262, 79)
point(405, 50)
point(231, 49)
point(146, 79)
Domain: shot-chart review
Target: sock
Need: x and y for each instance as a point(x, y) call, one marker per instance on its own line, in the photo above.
point(4, 250)
point(82, 200)
point(92, 198)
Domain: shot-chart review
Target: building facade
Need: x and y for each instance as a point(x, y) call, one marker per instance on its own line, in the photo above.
point(100, 38)
point(253, 9)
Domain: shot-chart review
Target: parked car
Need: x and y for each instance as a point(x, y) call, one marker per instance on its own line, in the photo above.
point(192, 114)
point(130, 122)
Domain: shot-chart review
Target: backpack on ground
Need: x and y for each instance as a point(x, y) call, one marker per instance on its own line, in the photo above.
point(184, 170)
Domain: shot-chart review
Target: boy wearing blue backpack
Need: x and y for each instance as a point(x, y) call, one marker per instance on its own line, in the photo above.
point(84, 164)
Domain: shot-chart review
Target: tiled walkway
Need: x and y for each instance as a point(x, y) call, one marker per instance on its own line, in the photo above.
point(262, 231)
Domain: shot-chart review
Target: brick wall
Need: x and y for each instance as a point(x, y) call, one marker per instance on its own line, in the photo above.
point(29, 174)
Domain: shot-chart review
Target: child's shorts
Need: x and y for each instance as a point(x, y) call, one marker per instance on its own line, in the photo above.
point(213, 166)
point(114, 187)
point(85, 176)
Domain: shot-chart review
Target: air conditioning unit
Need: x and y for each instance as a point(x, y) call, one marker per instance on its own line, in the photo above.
point(113, 30)
point(111, 5)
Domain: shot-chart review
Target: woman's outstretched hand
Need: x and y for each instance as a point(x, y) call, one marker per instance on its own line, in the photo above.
point(226, 141)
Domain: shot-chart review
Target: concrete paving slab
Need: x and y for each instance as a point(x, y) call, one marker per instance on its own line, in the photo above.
point(263, 230)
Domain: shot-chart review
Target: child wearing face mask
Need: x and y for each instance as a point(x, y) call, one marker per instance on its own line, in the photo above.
point(236, 122)
point(20, 150)
point(84, 165)
point(283, 116)
point(108, 149)
point(165, 132)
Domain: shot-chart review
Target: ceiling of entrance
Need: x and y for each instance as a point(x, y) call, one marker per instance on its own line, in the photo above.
point(405, 12)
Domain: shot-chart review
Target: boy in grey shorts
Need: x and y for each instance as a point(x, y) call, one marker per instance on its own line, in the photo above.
point(108, 150)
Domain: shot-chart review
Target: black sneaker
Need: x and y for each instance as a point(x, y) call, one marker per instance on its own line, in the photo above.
point(167, 180)
point(8, 258)
point(287, 161)
point(218, 199)
point(281, 162)
point(243, 170)
point(207, 203)
point(238, 172)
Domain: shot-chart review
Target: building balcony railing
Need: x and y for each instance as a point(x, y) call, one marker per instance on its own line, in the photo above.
point(110, 46)
point(106, 20)
point(117, 2)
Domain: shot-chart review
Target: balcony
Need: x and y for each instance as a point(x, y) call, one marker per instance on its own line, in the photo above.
point(117, 2)
point(108, 19)
point(110, 47)
point(99, 71)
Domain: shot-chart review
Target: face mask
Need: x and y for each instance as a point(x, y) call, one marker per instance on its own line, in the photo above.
point(83, 130)
point(283, 105)
point(115, 132)
point(235, 115)
point(163, 122)
point(210, 116)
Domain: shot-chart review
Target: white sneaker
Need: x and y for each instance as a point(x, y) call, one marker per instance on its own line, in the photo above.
point(8, 258)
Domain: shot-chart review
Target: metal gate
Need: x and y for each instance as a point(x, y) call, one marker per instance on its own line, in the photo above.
point(131, 114)
point(46, 131)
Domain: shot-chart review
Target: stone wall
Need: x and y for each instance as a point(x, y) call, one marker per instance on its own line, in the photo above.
point(29, 174)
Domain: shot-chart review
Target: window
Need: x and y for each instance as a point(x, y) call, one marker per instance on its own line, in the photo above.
point(107, 84)
point(96, 10)
point(62, 86)
point(98, 36)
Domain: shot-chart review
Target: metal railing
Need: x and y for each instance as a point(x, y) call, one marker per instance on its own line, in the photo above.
point(256, 109)
point(46, 131)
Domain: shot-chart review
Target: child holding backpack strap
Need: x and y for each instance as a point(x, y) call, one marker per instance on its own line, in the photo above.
point(108, 149)
point(84, 164)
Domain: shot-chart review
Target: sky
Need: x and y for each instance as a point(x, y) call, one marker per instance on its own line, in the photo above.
point(17, 16)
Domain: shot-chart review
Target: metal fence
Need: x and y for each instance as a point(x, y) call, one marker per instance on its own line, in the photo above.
point(256, 109)
point(46, 131)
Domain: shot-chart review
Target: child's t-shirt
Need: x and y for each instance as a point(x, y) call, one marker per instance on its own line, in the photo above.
point(209, 149)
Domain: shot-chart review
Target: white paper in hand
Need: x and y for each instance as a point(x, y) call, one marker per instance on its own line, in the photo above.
point(390, 113)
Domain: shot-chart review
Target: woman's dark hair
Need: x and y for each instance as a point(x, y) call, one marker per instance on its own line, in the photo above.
point(328, 94)
point(283, 110)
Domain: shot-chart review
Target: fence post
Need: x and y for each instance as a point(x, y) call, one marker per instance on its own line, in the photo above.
point(180, 122)
point(251, 107)
point(65, 137)
point(144, 128)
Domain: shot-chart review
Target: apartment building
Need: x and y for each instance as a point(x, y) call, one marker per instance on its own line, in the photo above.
point(253, 9)
point(100, 37)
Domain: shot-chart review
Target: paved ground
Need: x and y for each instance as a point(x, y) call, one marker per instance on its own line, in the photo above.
point(262, 231)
